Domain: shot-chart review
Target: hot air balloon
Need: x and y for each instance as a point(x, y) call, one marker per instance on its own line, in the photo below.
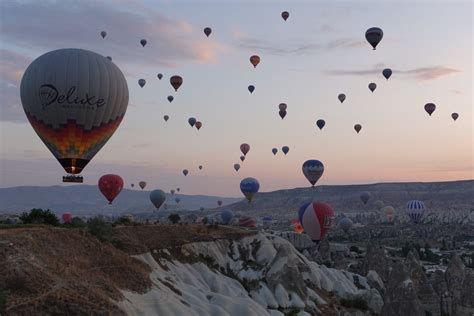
point(387, 72)
point(166, 118)
point(207, 31)
point(285, 149)
point(297, 226)
point(242, 158)
point(379, 204)
point(320, 124)
point(249, 187)
point(172, 192)
point(364, 196)
point(142, 184)
point(247, 221)
point(109, 58)
point(200, 167)
point(74, 107)
point(282, 106)
point(170, 98)
point(141, 82)
point(226, 216)
point(430, 108)
point(316, 218)
point(341, 97)
point(285, 15)
point(357, 128)
point(132, 185)
point(198, 125)
point(159, 76)
point(345, 224)
point(274, 151)
point(415, 210)
point(67, 217)
point(389, 212)
point(236, 167)
point(455, 116)
point(254, 60)
point(251, 88)
point(374, 35)
point(313, 170)
point(177, 200)
point(176, 82)
point(178, 189)
point(372, 86)
point(143, 42)
point(157, 197)
point(110, 185)
point(192, 121)
point(103, 34)
point(185, 172)
point(244, 148)
point(282, 114)
point(219, 202)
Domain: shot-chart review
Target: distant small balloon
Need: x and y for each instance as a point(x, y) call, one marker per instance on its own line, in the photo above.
point(219, 202)
point(200, 167)
point(143, 42)
point(67, 217)
point(141, 82)
point(237, 166)
point(178, 189)
point(166, 118)
point(320, 124)
point(177, 200)
point(172, 192)
point(176, 82)
point(374, 35)
point(285, 15)
point(372, 86)
point(254, 60)
point(285, 149)
point(185, 172)
point(282, 106)
point(132, 185)
point(313, 170)
point(103, 34)
point(242, 158)
point(170, 98)
point(157, 197)
point(159, 76)
point(244, 148)
point(282, 114)
point(251, 88)
point(142, 184)
point(192, 121)
point(198, 125)
point(455, 116)
point(387, 72)
point(430, 108)
point(357, 128)
point(109, 58)
point(274, 151)
point(341, 97)
point(207, 31)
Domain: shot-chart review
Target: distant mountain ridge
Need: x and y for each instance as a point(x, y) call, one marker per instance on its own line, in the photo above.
point(88, 200)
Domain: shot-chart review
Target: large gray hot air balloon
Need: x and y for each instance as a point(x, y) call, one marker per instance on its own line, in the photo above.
point(75, 100)
point(157, 197)
point(374, 35)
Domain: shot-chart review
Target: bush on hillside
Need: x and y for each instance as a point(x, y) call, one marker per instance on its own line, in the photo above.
point(358, 303)
point(100, 229)
point(39, 216)
point(174, 218)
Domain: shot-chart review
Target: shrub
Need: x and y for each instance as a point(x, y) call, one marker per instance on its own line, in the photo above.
point(358, 303)
point(39, 216)
point(98, 228)
point(77, 222)
point(174, 218)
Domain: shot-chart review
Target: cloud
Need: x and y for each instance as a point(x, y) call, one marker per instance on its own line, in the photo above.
point(422, 73)
point(10, 104)
point(12, 66)
point(58, 24)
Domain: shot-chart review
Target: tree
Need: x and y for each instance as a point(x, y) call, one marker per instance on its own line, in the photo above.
point(39, 216)
point(174, 218)
point(99, 228)
point(77, 222)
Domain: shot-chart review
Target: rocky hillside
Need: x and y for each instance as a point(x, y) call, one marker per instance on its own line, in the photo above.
point(172, 270)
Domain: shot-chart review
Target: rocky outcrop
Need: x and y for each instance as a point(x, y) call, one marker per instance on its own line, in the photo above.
point(460, 283)
point(376, 259)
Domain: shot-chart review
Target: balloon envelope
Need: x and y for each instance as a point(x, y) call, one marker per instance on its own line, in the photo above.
point(157, 197)
point(142, 184)
point(226, 216)
point(159, 76)
point(372, 86)
point(75, 100)
point(67, 217)
point(320, 124)
point(103, 34)
point(357, 128)
point(415, 210)
point(455, 116)
point(198, 125)
point(387, 72)
point(200, 167)
point(379, 204)
point(192, 121)
point(141, 82)
point(364, 196)
point(207, 31)
point(176, 82)
point(166, 118)
point(282, 114)
point(251, 88)
point(316, 218)
point(345, 224)
point(110, 185)
point(430, 108)
point(170, 98)
point(143, 42)
point(282, 106)
point(219, 202)
point(341, 97)
point(244, 148)
point(285, 15)
point(247, 221)
point(254, 60)
point(285, 149)
point(374, 35)
point(249, 187)
point(313, 170)
point(389, 212)
point(274, 151)
point(236, 167)
point(185, 172)
point(242, 158)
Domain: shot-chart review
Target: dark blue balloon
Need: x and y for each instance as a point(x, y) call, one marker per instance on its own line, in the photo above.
point(251, 88)
point(320, 123)
point(226, 216)
point(249, 186)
